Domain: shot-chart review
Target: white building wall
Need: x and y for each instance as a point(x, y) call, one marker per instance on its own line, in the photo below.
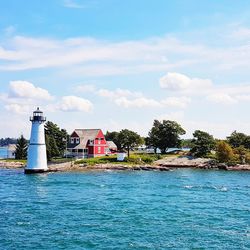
point(37, 158)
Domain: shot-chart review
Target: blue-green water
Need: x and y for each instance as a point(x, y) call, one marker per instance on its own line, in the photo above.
point(181, 209)
point(3, 152)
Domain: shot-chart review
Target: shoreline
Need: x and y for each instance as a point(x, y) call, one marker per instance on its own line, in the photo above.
point(166, 164)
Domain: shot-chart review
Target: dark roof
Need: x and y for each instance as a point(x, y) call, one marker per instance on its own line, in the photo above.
point(85, 135)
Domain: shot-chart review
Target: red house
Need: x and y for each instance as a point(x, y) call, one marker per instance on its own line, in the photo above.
point(87, 143)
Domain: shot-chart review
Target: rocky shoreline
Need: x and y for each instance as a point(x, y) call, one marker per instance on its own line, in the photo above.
point(199, 163)
point(165, 164)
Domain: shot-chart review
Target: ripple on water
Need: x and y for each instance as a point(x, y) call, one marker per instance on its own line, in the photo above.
point(182, 209)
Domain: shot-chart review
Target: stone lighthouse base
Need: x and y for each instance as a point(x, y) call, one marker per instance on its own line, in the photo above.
point(35, 171)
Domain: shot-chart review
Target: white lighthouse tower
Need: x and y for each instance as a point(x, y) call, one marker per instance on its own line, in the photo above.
point(37, 159)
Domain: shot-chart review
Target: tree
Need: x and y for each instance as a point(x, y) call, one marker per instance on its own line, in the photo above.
point(129, 139)
point(187, 143)
point(224, 152)
point(165, 135)
point(56, 139)
point(247, 142)
point(203, 143)
point(51, 147)
point(21, 148)
point(113, 136)
point(242, 153)
point(237, 139)
point(6, 141)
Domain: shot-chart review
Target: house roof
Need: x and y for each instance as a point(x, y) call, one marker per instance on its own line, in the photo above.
point(85, 135)
point(111, 144)
point(90, 133)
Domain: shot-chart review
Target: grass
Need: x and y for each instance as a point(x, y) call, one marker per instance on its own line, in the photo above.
point(60, 160)
point(98, 160)
point(135, 158)
point(14, 160)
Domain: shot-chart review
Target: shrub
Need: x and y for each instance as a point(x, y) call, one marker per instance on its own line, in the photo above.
point(224, 152)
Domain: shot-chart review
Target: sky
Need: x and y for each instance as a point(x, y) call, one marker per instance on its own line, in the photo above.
point(114, 64)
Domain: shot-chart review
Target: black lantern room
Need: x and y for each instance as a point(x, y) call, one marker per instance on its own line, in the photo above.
point(38, 116)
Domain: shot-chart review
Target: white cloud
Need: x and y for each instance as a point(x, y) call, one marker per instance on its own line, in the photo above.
point(24, 89)
point(221, 98)
point(88, 56)
point(75, 104)
point(203, 88)
point(137, 102)
point(128, 99)
point(133, 56)
point(175, 81)
point(180, 82)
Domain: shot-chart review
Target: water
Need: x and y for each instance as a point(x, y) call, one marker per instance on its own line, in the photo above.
point(3, 152)
point(181, 209)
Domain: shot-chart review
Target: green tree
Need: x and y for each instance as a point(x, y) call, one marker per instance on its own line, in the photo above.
point(51, 147)
point(113, 136)
point(21, 148)
point(224, 152)
point(187, 143)
point(6, 141)
point(56, 139)
point(129, 139)
point(203, 143)
point(247, 142)
point(237, 139)
point(164, 135)
point(242, 154)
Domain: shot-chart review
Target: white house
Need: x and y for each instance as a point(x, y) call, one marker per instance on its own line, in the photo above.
point(11, 151)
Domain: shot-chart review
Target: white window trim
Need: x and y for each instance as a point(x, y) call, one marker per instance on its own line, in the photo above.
point(72, 140)
point(77, 140)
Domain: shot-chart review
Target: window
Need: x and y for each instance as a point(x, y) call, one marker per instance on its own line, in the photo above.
point(99, 150)
point(72, 140)
point(85, 150)
point(91, 142)
point(99, 140)
point(77, 140)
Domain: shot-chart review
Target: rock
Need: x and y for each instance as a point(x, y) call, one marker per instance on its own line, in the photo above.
point(83, 165)
point(242, 167)
point(163, 169)
point(222, 166)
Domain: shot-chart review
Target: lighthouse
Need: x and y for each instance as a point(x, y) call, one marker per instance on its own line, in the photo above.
point(37, 159)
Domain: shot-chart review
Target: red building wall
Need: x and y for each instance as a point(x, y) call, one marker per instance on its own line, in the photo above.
point(100, 144)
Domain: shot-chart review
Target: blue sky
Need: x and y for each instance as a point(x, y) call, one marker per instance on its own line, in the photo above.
point(121, 64)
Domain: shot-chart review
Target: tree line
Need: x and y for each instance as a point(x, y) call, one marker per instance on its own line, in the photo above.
point(6, 141)
point(163, 135)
